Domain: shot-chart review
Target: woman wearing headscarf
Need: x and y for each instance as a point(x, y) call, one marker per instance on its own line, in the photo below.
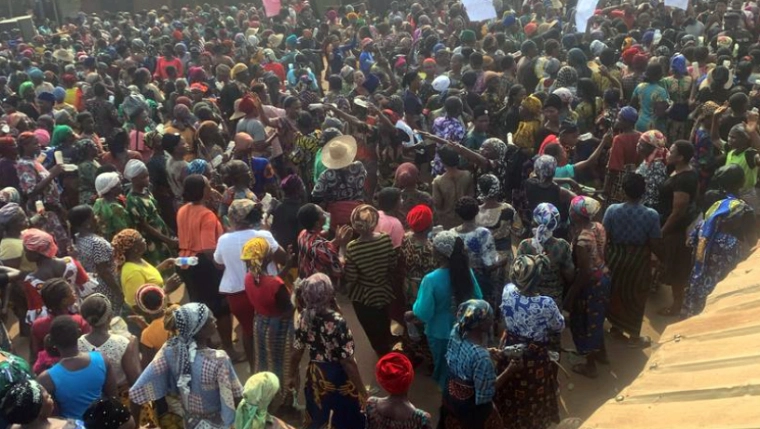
point(441, 289)
point(25, 404)
point(395, 373)
point(203, 377)
point(108, 413)
point(652, 148)
point(468, 396)
point(259, 392)
point(720, 241)
point(679, 86)
point(144, 215)
point(370, 261)
point(183, 123)
point(634, 233)
point(589, 294)
point(334, 389)
point(543, 189)
point(110, 212)
point(36, 183)
point(407, 178)
point(491, 158)
point(533, 322)
point(530, 124)
point(209, 141)
point(623, 155)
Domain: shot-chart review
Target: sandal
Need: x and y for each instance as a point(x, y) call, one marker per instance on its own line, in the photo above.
point(640, 342)
point(584, 370)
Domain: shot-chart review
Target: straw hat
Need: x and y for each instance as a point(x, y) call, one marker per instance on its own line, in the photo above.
point(275, 40)
point(64, 55)
point(251, 31)
point(339, 152)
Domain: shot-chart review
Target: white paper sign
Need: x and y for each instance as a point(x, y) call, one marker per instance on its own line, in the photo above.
point(479, 10)
point(583, 11)
point(680, 4)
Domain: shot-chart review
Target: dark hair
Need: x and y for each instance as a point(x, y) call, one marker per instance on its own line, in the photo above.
point(18, 404)
point(467, 208)
point(738, 102)
point(152, 300)
point(170, 142)
point(83, 116)
point(78, 216)
point(476, 59)
point(289, 101)
point(54, 292)
point(409, 78)
point(449, 158)
point(255, 215)
point(64, 332)
point(194, 188)
point(308, 215)
point(469, 78)
point(119, 139)
point(634, 185)
point(93, 310)
point(335, 83)
point(553, 149)
point(388, 198)
point(459, 273)
point(453, 106)
point(99, 89)
point(685, 149)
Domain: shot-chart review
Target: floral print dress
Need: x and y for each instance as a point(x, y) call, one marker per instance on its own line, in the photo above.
point(143, 208)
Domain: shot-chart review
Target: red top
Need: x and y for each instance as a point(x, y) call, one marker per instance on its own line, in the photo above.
point(277, 69)
point(161, 67)
point(623, 151)
point(41, 327)
point(263, 296)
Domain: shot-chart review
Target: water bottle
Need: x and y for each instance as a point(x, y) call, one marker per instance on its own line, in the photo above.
point(326, 226)
point(186, 261)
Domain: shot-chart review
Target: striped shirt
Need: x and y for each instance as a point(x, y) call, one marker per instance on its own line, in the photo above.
point(368, 271)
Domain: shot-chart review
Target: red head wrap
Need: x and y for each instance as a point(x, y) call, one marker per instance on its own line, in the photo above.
point(38, 241)
point(420, 218)
point(395, 373)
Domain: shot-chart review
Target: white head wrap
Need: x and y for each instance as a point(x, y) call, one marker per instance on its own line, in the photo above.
point(134, 168)
point(107, 181)
point(444, 242)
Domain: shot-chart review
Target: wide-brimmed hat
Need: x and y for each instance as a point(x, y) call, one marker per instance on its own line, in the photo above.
point(339, 152)
point(238, 113)
point(64, 55)
point(275, 40)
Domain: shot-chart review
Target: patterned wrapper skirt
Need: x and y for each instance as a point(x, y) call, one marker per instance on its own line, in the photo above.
point(529, 399)
point(328, 390)
point(272, 344)
point(631, 272)
point(587, 315)
point(459, 410)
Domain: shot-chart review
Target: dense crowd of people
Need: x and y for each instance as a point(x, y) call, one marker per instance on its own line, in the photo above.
point(470, 189)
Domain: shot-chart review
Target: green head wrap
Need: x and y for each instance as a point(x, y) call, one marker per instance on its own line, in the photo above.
point(24, 87)
point(467, 36)
point(258, 393)
point(60, 133)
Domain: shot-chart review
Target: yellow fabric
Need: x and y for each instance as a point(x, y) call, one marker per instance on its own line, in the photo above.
point(135, 275)
point(12, 248)
point(254, 251)
point(154, 336)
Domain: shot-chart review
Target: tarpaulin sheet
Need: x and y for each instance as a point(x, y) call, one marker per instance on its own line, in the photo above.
point(705, 371)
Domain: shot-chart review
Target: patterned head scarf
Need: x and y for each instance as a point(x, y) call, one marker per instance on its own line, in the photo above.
point(532, 104)
point(254, 251)
point(364, 218)
point(565, 96)
point(9, 213)
point(488, 187)
point(239, 210)
point(39, 241)
point(197, 166)
point(106, 413)
point(10, 195)
point(526, 130)
point(526, 271)
point(444, 242)
point(545, 167)
point(189, 319)
point(134, 168)
point(144, 292)
point(708, 108)
point(407, 174)
point(585, 206)
point(60, 133)
point(656, 140)
point(317, 293)
point(258, 393)
point(22, 402)
point(472, 314)
point(496, 146)
point(546, 218)
point(395, 373)
point(567, 77)
point(678, 64)
point(105, 182)
point(123, 242)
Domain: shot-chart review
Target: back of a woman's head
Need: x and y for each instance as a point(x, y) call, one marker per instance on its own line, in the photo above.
point(169, 142)
point(96, 310)
point(64, 332)
point(309, 215)
point(78, 216)
point(467, 208)
point(194, 188)
point(449, 158)
point(634, 185)
point(54, 292)
point(459, 272)
point(22, 402)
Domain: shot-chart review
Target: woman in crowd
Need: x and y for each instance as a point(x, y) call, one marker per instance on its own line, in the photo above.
point(720, 241)
point(285, 226)
point(80, 377)
point(87, 168)
point(652, 99)
point(468, 396)
point(122, 353)
point(144, 215)
point(417, 256)
point(245, 219)
point(543, 189)
point(341, 187)
point(407, 178)
point(652, 149)
point(370, 261)
point(677, 210)
point(588, 296)
point(129, 248)
point(14, 371)
point(176, 166)
point(633, 233)
point(623, 155)
point(529, 399)
point(316, 254)
point(449, 187)
point(273, 319)
point(36, 183)
point(705, 152)
point(253, 410)
point(203, 377)
point(28, 405)
point(96, 254)
point(451, 284)
point(480, 246)
point(198, 230)
point(238, 176)
point(561, 271)
point(334, 389)
point(395, 374)
point(12, 221)
point(182, 124)
point(111, 214)
point(107, 413)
